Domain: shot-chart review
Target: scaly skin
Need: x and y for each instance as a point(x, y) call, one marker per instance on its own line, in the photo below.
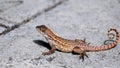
point(76, 46)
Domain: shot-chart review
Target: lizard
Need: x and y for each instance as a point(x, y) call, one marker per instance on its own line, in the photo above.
point(76, 46)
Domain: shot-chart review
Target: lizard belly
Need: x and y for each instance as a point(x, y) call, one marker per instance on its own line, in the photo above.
point(64, 48)
point(61, 47)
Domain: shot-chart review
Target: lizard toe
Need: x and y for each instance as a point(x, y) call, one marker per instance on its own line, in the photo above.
point(46, 53)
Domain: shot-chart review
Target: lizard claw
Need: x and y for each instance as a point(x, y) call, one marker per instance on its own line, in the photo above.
point(81, 57)
point(86, 55)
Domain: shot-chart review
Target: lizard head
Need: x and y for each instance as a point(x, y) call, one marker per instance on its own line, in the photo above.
point(43, 30)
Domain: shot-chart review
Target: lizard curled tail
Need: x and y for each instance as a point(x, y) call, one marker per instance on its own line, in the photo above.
point(107, 46)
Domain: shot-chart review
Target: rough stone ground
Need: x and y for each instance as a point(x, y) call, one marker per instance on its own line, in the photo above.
point(21, 45)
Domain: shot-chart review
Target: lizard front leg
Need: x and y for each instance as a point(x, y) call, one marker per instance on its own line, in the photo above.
point(51, 51)
point(80, 51)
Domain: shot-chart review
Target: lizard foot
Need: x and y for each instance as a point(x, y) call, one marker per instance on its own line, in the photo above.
point(49, 52)
point(82, 55)
point(84, 40)
point(80, 51)
point(46, 53)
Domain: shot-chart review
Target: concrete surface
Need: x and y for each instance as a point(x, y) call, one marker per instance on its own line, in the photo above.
point(21, 45)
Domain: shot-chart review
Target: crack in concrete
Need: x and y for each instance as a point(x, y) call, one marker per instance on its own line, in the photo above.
point(14, 1)
point(2, 25)
point(31, 18)
point(9, 29)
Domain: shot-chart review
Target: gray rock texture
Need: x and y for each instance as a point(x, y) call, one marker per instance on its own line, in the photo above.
point(21, 45)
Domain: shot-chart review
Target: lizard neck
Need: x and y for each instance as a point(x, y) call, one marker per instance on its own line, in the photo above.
point(54, 38)
point(50, 35)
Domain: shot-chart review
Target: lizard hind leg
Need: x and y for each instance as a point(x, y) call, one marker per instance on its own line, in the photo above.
point(82, 41)
point(80, 51)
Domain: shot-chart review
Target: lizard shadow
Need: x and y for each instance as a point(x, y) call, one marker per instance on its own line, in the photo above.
point(108, 42)
point(42, 43)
